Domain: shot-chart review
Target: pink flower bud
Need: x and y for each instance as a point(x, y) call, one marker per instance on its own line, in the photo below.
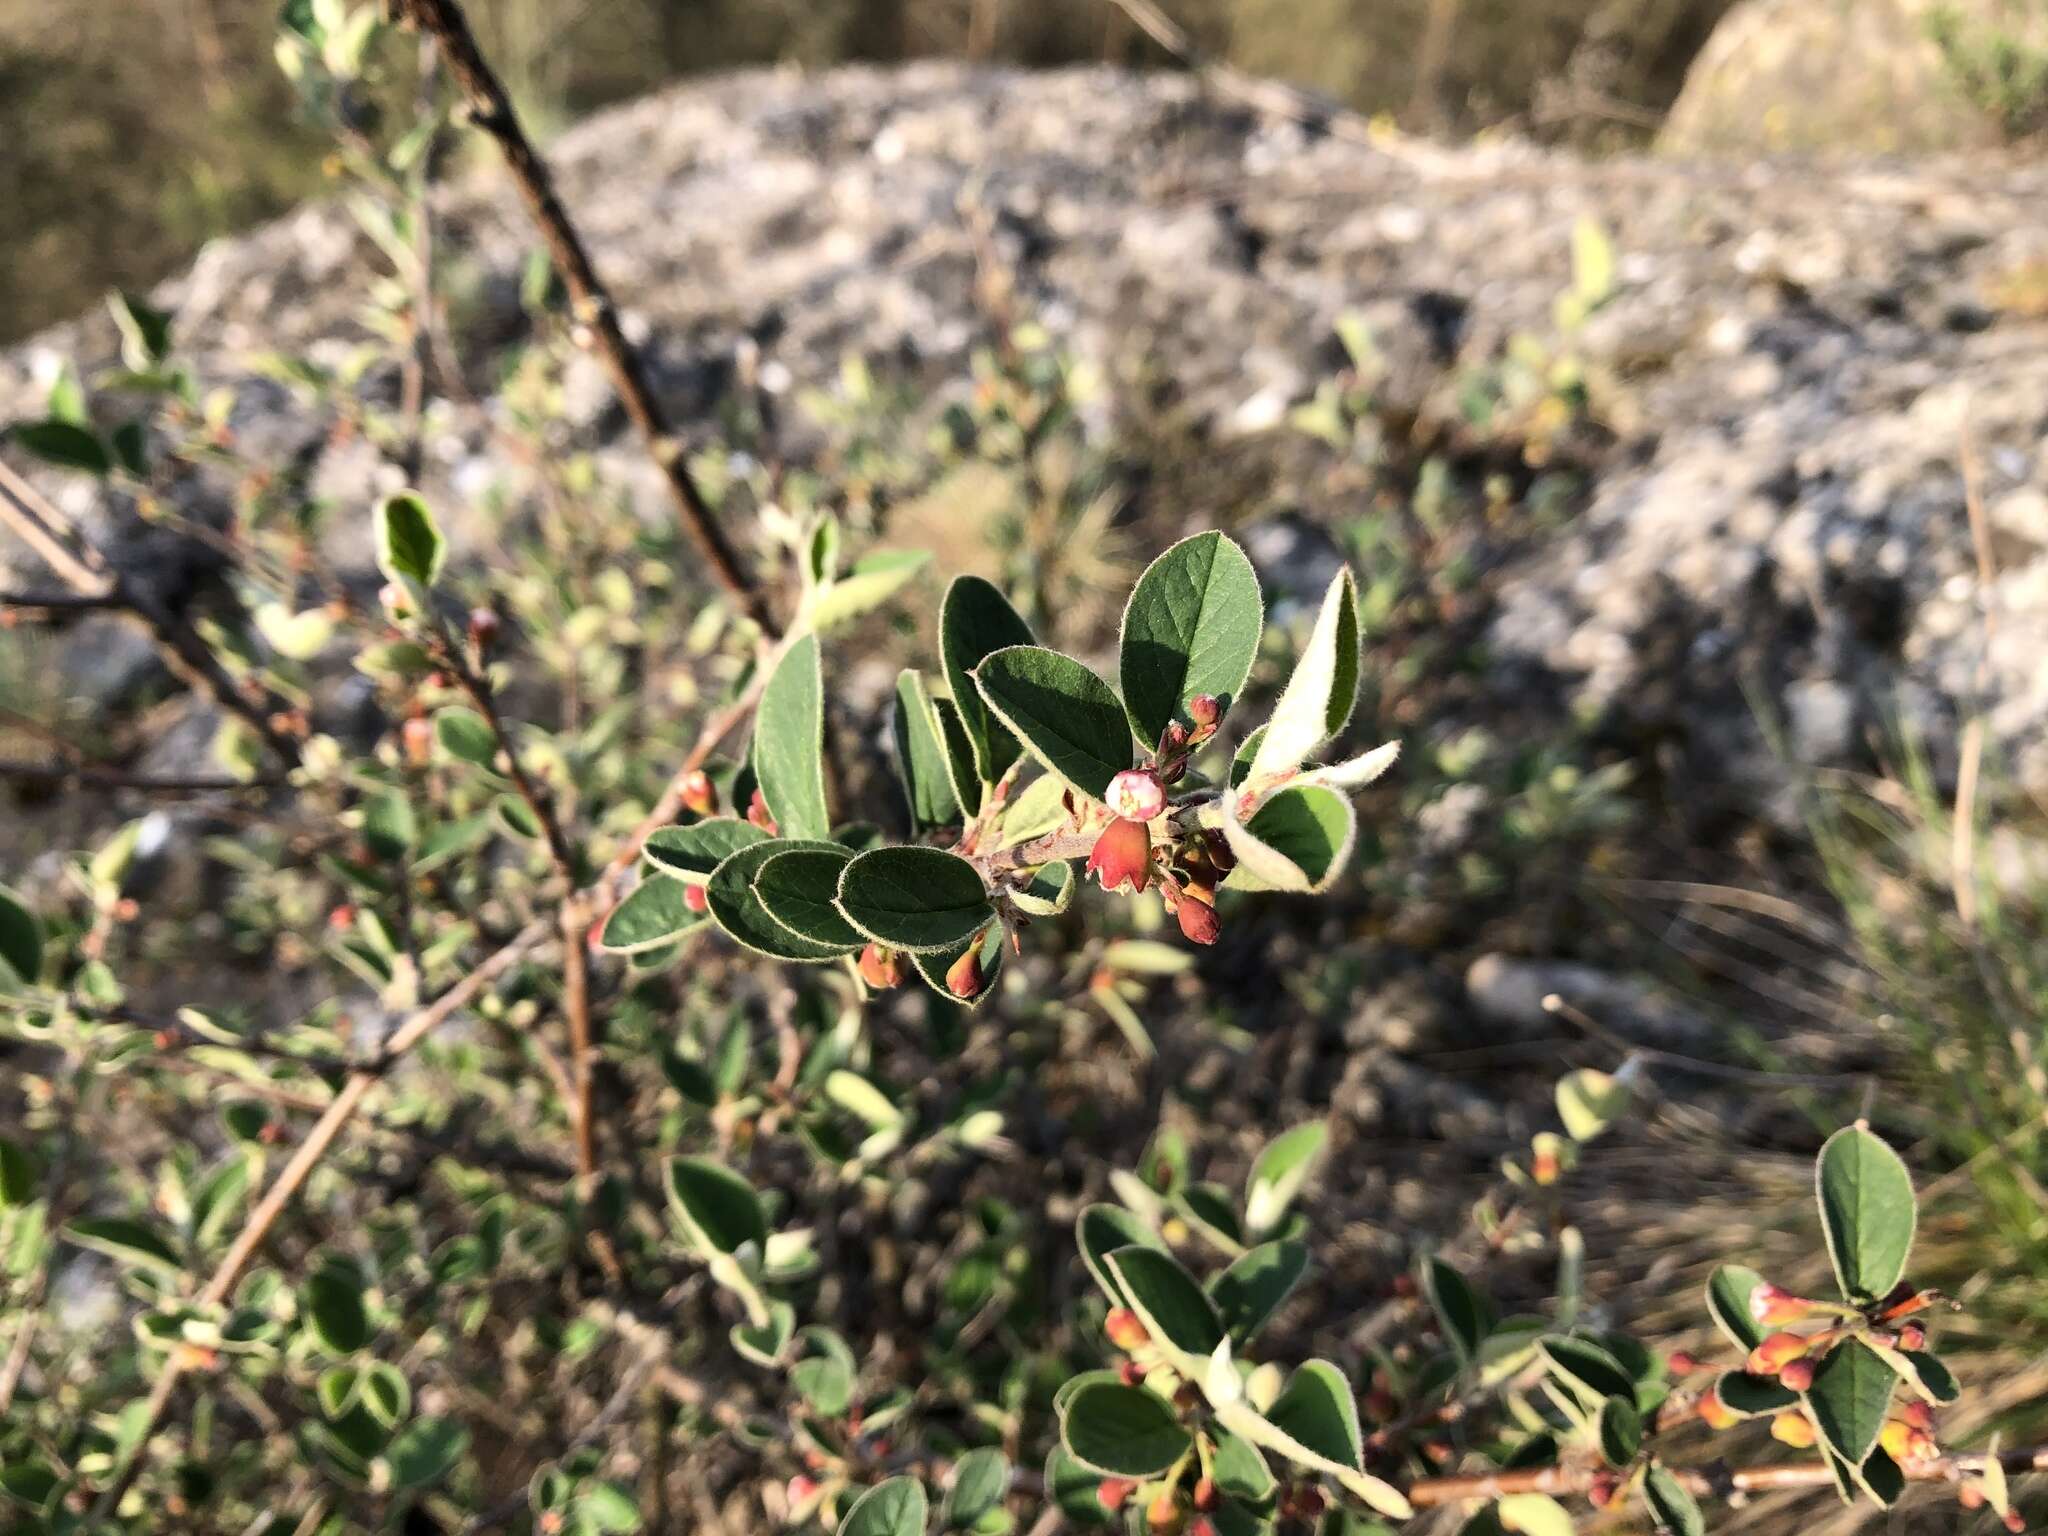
point(757, 813)
point(696, 898)
point(881, 967)
point(1205, 709)
point(1772, 1355)
point(1197, 920)
point(483, 627)
point(1797, 1375)
point(1123, 854)
point(698, 795)
point(1772, 1307)
point(1136, 795)
point(964, 978)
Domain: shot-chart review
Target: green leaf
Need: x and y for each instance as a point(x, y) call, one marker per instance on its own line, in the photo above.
point(1072, 1488)
point(1851, 1393)
point(1463, 1317)
point(1751, 1397)
point(656, 911)
point(1317, 1409)
point(1101, 1230)
point(1066, 715)
point(1672, 1507)
point(216, 1201)
point(424, 1452)
point(1299, 840)
point(1249, 1292)
point(332, 1303)
point(129, 1242)
point(390, 826)
point(980, 1479)
point(337, 1389)
point(959, 752)
point(764, 1343)
point(1867, 1212)
point(409, 544)
point(1048, 892)
point(145, 331)
point(824, 1379)
point(789, 744)
point(1174, 1309)
point(1593, 1373)
point(605, 1508)
point(1241, 1470)
point(1191, 627)
point(1881, 1478)
point(718, 1208)
point(1040, 807)
point(1122, 1431)
point(975, 621)
point(693, 852)
point(31, 1482)
point(914, 898)
point(862, 1099)
point(21, 941)
point(1621, 1432)
point(64, 444)
point(1533, 1514)
point(1279, 1171)
point(797, 890)
point(739, 911)
point(921, 756)
point(466, 735)
point(1319, 697)
point(874, 579)
point(1588, 1102)
point(1937, 1383)
point(18, 1175)
point(384, 1393)
point(897, 1507)
point(1728, 1290)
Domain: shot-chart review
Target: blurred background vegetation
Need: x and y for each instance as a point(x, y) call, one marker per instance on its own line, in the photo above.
point(133, 130)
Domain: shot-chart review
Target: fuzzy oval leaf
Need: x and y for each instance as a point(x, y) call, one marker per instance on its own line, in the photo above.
point(425, 1451)
point(1279, 1171)
point(1588, 1102)
point(1048, 892)
point(1101, 1230)
point(1122, 1431)
point(1621, 1432)
point(466, 735)
point(1867, 1211)
point(696, 850)
point(1249, 1292)
point(21, 940)
point(738, 911)
point(874, 579)
point(1069, 718)
point(332, 1301)
point(409, 544)
point(1593, 1373)
point(1751, 1397)
point(976, 621)
point(1533, 1514)
point(797, 889)
point(129, 1242)
point(1464, 1318)
point(1674, 1509)
point(1850, 1396)
point(1191, 627)
point(789, 743)
point(1728, 1289)
point(921, 756)
point(919, 899)
point(65, 444)
point(718, 1208)
point(1174, 1309)
point(980, 1479)
point(897, 1507)
point(654, 912)
point(1299, 840)
point(18, 1174)
point(1319, 697)
point(1317, 1409)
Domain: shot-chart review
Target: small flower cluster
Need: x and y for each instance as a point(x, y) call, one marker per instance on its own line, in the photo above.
point(1188, 862)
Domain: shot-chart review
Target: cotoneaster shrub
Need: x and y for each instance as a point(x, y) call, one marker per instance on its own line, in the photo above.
point(594, 1091)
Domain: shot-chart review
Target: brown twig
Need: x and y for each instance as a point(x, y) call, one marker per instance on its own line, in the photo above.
point(1715, 1482)
point(591, 302)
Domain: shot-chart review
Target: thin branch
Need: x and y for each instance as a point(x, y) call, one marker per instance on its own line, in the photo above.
point(58, 602)
point(591, 302)
point(1713, 1482)
point(113, 778)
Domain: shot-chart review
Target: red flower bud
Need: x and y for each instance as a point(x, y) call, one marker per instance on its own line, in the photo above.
point(418, 736)
point(1123, 853)
point(1131, 1374)
point(757, 813)
point(1165, 1516)
point(1601, 1491)
point(1206, 1495)
point(1717, 1414)
point(2015, 1521)
point(1797, 1375)
point(1124, 1329)
point(801, 1490)
point(698, 795)
point(1136, 795)
point(1681, 1362)
point(1205, 710)
point(1970, 1496)
point(1201, 1525)
point(964, 978)
point(1919, 1416)
point(1913, 1337)
point(483, 627)
point(1795, 1429)
point(881, 967)
point(1198, 922)
point(696, 898)
point(1111, 1492)
point(1770, 1357)
point(1773, 1307)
